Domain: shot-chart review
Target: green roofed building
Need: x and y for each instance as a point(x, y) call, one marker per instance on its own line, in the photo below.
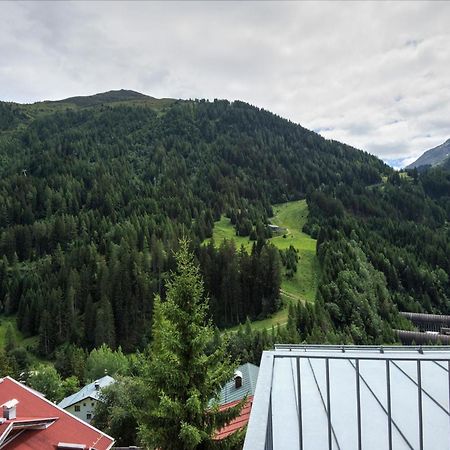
point(242, 384)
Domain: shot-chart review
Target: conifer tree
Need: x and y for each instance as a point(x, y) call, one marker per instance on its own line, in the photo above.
point(89, 323)
point(10, 338)
point(181, 377)
point(6, 366)
point(104, 332)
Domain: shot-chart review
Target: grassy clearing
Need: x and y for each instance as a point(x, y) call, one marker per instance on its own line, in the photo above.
point(4, 321)
point(224, 229)
point(293, 216)
point(20, 340)
point(303, 286)
point(405, 176)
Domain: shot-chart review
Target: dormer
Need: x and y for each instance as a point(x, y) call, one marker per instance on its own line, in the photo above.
point(237, 379)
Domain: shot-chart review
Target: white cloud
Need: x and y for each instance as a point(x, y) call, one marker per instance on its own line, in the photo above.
point(375, 75)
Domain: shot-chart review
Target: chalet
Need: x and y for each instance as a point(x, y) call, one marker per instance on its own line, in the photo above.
point(243, 384)
point(82, 403)
point(31, 422)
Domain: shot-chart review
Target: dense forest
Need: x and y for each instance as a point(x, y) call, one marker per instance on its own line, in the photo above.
point(94, 199)
point(382, 249)
point(95, 195)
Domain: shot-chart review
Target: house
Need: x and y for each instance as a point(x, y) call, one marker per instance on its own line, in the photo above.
point(31, 422)
point(314, 397)
point(243, 384)
point(82, 403)
point(277, 229)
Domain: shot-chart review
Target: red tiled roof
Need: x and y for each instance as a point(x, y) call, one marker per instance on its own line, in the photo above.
point(63, 428)
point(238, 423)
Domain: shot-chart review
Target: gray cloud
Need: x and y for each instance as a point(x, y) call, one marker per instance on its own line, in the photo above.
point(375, 75)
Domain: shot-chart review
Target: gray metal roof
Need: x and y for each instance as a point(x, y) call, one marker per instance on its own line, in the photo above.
point(89, 391)
point(334, 397)
point(230, 393)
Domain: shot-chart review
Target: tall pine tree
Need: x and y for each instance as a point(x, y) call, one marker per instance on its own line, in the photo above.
point(181, 377)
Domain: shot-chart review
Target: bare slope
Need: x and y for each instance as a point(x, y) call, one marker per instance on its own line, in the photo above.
point(433, 157)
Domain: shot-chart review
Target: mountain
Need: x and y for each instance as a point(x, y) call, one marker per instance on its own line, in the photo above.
point(446, 164)
point(433, 157)
point(96, 193)
point(121, 96)
point(105, 97)
point(14, 114)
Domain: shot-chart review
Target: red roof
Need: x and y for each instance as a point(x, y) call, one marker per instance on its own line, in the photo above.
point(45, 425)
point(240, 421)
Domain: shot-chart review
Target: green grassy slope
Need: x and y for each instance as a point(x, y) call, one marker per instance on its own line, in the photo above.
point(293, 216)
point(303, 286)
point(224, 229)
point(20, 341)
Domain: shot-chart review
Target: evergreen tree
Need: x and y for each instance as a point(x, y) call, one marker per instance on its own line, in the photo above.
point(89, 323)
point(6, 365)
point(10, 338)
point(104, 332)
point(181, 377)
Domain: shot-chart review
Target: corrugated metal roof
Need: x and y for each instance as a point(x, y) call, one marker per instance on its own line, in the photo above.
point(89, 391)
point(330, 397)
point(230, 393)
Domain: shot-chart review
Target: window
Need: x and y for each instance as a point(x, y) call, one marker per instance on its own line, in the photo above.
point(84, 404)
point(77, 408)
point(92, 404)
point(88, 416)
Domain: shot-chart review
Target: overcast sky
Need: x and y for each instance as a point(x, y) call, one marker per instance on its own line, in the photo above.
point(373, 75)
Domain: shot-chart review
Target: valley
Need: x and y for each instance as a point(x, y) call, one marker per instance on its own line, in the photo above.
point(96, 193)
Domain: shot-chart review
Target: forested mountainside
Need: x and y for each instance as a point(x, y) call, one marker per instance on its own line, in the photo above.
point(95, 193)
point(381, 246)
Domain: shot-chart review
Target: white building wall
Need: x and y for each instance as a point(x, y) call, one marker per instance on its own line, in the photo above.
point(86, 407)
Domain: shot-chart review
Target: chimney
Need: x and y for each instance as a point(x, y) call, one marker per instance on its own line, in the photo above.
point(9, 409)
point(97, 385)
point(237, 379)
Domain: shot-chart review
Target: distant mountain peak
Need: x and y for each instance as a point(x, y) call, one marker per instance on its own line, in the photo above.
point(120, 95)
point(433, 157)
